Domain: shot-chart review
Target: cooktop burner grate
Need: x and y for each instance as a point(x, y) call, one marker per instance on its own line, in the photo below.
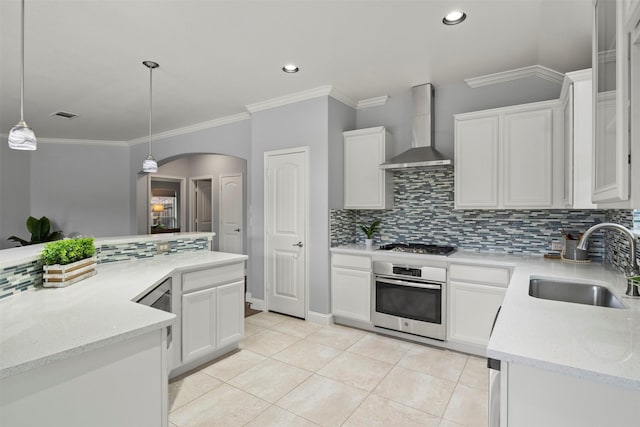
point(418, 248)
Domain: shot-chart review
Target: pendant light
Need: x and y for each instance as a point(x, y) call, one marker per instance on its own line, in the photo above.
point(149, 164)
point(21, 137)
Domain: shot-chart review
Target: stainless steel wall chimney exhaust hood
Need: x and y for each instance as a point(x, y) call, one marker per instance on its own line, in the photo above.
point(422, 153)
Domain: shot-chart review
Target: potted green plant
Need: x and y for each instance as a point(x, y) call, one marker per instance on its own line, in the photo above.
point(68, 261)
point(40, 230)
point(369, 231)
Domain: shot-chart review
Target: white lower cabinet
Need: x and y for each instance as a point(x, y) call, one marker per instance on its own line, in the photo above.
point(537, 397)
point(198, 324)
point(351, 287)
point(212, 311)
point(473, 308)
point(351, 293)
point(475, 294)
point(230, 314)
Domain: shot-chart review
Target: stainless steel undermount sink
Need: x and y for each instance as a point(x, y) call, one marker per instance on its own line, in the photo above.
point(576, 292)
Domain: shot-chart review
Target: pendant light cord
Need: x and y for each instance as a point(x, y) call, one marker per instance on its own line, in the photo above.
point(150, 105)
point(22, 68)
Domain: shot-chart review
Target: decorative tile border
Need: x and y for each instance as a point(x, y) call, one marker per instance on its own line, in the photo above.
point(139, 250)
point(22, 277)
point(19, 278)
point(424, 212)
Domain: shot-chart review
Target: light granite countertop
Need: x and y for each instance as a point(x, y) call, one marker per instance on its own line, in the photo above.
point(42, 325)
point(597, 343)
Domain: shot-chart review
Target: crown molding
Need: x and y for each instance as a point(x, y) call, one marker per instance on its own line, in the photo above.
point(289, 99)
point(340, 96)
point(519, 73)
point(67, 141)
point(192, 128)
point(572, 77)
point(372, 102)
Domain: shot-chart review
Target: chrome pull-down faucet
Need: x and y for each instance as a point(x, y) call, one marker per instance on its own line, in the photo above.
point(633, 269)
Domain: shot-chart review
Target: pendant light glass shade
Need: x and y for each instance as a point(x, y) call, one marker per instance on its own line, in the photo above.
point(21, 136)
point(149, 165)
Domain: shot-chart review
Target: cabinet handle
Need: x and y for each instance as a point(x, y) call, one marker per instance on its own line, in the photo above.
point(299, 244)
point(237, 229)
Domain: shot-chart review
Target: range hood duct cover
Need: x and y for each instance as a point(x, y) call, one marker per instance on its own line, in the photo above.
point(422, 153)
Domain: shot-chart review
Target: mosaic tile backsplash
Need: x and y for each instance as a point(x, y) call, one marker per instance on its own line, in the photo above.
point(424, 212)
point(21, 277)
point(617, 246)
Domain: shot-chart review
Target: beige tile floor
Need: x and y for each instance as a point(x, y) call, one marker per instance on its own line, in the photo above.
point(294, 373)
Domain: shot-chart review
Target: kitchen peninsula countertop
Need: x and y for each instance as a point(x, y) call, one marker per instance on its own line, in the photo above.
point(42, 325)
point(596, 343)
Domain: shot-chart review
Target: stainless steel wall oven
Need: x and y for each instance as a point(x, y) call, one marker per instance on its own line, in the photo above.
point(410, 298)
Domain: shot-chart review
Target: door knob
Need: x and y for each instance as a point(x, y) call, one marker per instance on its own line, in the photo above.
point(299, 244)
point(237, 229)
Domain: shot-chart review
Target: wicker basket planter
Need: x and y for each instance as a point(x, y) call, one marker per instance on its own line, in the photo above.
point(59, 276)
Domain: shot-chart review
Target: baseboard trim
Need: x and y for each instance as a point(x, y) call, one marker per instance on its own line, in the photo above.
point(319, 318)
point(256, 304)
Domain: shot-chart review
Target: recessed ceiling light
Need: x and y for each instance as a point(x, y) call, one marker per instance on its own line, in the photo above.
point(290, 68)
point(454, 17)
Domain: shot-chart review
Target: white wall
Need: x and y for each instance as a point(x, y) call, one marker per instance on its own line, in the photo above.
point(341, 118)
point(294, 125)
point(15, 188)
point(82, 188)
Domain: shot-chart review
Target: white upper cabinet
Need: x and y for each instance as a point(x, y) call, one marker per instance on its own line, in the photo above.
point(509, 158)
point(366, 186)
point(577, 99)
point(611, 168)
point(476, 172)
point(635, 110)
point(528, 160)
point(631, 13)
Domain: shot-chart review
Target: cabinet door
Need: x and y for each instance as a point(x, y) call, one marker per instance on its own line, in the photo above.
point(476, 171)
point(611, 103)
point(230, 313)
point(198, 324)
point(351, 294)
point(568, 150)
point(528, 163)
point(472, 311)
point(365, 184)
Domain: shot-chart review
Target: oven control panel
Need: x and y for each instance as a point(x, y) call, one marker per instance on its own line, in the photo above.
point(410, 270)
point(407, 271)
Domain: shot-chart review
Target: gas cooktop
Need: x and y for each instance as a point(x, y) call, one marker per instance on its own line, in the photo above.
point(418, 248)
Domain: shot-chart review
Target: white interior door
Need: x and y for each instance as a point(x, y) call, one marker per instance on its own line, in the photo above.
point(286, 218)
point(230, 213)
point(203, 205)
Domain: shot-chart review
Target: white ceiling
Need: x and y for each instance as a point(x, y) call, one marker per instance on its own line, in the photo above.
point(216, 57)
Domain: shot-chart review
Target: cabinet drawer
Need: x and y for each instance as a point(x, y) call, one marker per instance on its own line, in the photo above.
point(496, 276)
point(212, 277)
point(351, 261)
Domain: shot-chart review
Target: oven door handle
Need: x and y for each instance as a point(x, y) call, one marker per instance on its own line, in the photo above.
point(410, 284)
